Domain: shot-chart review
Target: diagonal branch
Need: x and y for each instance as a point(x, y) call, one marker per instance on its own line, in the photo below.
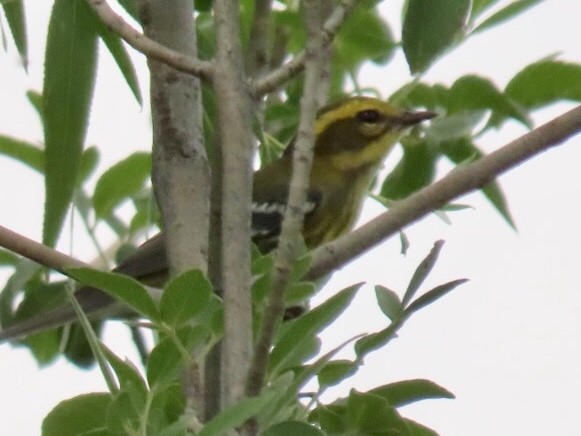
point(461, 180)
point(272, 81)
point(150, 48)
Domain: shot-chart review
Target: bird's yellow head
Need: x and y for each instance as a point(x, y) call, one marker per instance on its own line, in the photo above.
point(358, 132)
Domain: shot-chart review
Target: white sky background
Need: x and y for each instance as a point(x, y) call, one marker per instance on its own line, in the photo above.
point(506, 343)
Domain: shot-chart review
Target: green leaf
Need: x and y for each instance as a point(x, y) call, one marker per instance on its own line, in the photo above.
point(301, 266)
point(376, 340)
point(417, 429)
point(24, 152)
point(418, 94)
point(366, 413)
point(430, 28)
point(168, 415)
point(462, 150)
point(89, 161)
point(70, 417)
point(69, 78)
point(127, 373)
point(121, 181)
point(389, 302)
point(331, 418)
point(405, 392)
point(8, 258)
point(120, 286)
point(365, 36)
point(480, 6)
point(457, 125)
point(545, 82)
point(293, 428)
point(120, 55)
point(167, 359)
point(164, 363)
point(15, 16)
point(39, 297)
point(422, 272)
point(299, 292)
point(123, 415)
point(184, 297)
point(301, 376)
point(475, 93)
point(508, 12)
point(304, 328)
point(235, 415)
point(130, 7)
point(415, 170)
point(335, 372)
point(35, 100)
point(433, 295)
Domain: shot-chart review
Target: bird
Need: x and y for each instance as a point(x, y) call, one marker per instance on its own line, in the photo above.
point(352, 138)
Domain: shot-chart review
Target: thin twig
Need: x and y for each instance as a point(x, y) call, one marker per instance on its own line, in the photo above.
point(37, 252)
point(150, 48)
point(272, 81)
point(461, 180)
point(287, 250)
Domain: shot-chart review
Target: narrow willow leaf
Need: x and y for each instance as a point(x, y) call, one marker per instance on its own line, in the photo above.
point(15, 16)
point(304, 328)
point(421, 272)
point(374, 341)
point(304, 374)
point(69, 78)
point(510, 11)
point(480, 6)
point(120, 55)
point(89, 160)
point(336, 371)
point(121, 181)
point(433, 295)
point(24, 152)
point(130, 7)
point(406, 392)
point(431, 28)
point(35, 100)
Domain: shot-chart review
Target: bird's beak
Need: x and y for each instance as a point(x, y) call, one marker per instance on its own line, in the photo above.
point(413, 118)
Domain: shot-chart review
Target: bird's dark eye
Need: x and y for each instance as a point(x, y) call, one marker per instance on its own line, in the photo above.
point(370, 116)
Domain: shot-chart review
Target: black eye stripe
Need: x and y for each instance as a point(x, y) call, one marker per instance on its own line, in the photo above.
point(370, 116)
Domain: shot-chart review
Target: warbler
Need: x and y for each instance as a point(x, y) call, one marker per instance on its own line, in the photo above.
point(353, 136)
